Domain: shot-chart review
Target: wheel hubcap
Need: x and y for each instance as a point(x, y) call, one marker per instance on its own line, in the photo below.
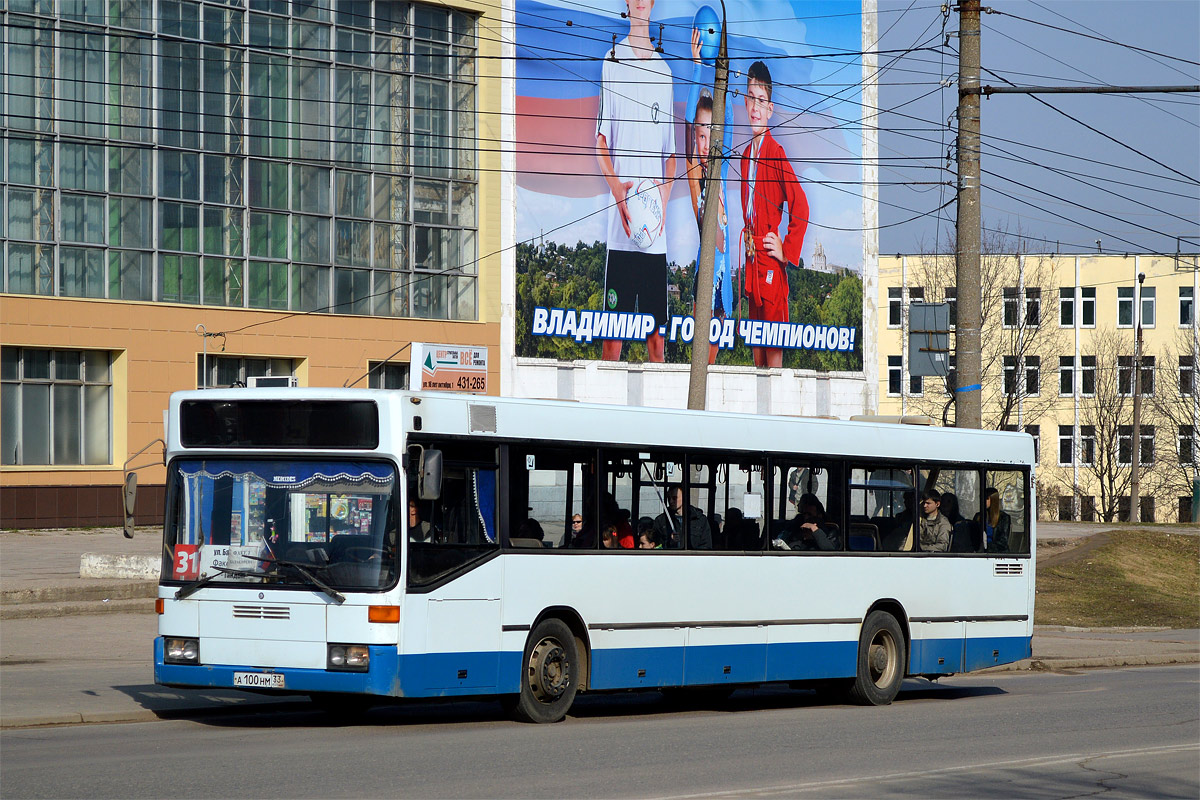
point(549, 671)
point(882, 659)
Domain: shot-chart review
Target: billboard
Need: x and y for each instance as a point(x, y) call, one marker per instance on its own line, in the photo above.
point(614, 124)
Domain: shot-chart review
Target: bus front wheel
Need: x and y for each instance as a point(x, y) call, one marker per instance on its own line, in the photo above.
point(550, 674)
point(880, 660)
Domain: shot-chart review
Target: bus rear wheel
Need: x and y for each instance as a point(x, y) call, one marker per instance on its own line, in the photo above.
point(550, 674)
point(881, 662)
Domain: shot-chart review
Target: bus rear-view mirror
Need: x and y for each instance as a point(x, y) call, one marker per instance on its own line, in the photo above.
point(129, 502)
point(429, 477)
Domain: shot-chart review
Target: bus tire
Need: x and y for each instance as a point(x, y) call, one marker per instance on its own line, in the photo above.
point(549, 673)
point(881, 664)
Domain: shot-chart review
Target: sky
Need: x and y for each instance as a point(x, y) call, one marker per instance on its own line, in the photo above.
point(1125, 170)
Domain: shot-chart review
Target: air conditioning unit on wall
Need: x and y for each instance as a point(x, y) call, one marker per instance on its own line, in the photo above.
point(273, 382)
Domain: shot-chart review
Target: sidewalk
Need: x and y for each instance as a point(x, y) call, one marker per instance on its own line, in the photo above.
point(78, 650)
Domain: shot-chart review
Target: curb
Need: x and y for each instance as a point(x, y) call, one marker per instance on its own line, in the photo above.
point(78, 608)
point(1055, 664)
point(149, 715)
point(94, 592)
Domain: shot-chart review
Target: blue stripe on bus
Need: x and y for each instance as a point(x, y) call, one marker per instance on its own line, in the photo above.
point(482, 673)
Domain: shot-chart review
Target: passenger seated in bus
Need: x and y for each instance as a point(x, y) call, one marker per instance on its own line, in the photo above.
point(582, 537)
point(419, 530)
point(530, 528)
point(960, 529)
point(669, 524)
point(935, 528)
point(809, 530)
point(613, 514)
point(995, 524)
point(574, 528)
point(899, 537)
point(647, 535)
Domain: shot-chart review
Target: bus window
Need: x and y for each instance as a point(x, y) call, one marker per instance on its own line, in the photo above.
point(461, 523)
point(808, 506)
point(882, 507)
point(548, 488)
point(730, 496)
point(958, 496)
point(1003, 518)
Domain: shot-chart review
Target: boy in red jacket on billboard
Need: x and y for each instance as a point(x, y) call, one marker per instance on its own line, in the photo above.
point(768, 182)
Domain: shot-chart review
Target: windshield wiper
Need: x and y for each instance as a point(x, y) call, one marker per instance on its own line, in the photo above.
point(195, 586)
point(308, 576)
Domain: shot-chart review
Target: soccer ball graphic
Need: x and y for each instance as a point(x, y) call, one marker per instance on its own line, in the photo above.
point(645, 212)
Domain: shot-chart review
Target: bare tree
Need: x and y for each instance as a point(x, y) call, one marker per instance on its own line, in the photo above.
point(1177, 407)
point(1021, 340)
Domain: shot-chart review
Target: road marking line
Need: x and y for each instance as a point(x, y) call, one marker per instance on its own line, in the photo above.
point(1044, 761)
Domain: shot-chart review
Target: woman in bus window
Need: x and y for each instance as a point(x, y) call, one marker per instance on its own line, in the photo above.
point(994, 522)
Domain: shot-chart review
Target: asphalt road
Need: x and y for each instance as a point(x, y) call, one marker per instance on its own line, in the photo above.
point(1123, 733)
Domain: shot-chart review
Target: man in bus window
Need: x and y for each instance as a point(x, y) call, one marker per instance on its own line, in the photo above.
point(935, 528)
point(670, 524)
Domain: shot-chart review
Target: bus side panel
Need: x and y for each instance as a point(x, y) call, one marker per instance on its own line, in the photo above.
point(632, 659)
point(722, 655)
point(937, 648)
point(990, 644)
point(823, 655)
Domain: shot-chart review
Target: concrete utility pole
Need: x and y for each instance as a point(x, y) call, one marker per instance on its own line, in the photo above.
point(1135, 478)
point(702, 313)
point(968, 410)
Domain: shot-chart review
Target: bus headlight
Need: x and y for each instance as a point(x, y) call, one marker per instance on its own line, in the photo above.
point(349, 657)
point(181, 651)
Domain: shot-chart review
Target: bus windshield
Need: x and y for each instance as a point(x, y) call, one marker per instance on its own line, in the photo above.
point(328, 524)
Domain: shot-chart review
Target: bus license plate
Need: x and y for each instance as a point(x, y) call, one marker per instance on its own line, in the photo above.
point(258, 680)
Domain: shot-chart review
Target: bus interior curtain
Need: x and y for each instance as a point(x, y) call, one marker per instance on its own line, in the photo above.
point(485, 501)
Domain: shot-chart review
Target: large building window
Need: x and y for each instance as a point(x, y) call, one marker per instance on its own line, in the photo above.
point(56, 406)
point(307, 156)
point(1187, 306)
point(895, 374)
point(221, 371)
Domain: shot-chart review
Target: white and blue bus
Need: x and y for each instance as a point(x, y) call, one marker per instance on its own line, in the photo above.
point(390, 544)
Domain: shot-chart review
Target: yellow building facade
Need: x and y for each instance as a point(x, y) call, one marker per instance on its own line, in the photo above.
point(1059, 343)
point(218, 194)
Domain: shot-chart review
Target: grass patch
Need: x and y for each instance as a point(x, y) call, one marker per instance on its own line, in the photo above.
point(1136, 578)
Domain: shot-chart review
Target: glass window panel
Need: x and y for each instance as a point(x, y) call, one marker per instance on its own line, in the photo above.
point(267, 99)
point(180, 18)
point(179, 279)
point(268, 285)
point(431, 23)
point(83, 218)
point(97, 366)
point(311, 193)
point(31, 76)
point(432, 58)
point(222, 282)
point(431, 127)
point(268, 184)
point(352, 289)
point(35, 423)
point(179, 174)
point(180, 227)
point(223, 231)
point(67, 419)
point(223, 179)
point(130, 275)
point(352, 112)
point(464, 143)
point(10, 422)
point(464, 205)
point(31, 161)
point(82, 272)
point(353, 193)
point(310, 239)
point(10, 363)
point(130, 222)
point(268, 235)
point(129, 170)
point(391, 47)
point(310, 288)
point(179, 94)
point(81, 166)
point(67, 366)
point(97, 428)
point(354, 47)
point(391, 198)
point(311, 93)
point(389, 294)
point(391, 246)
point(36, 365)
point(353, 243)
point(431, 202)
point(31, 214)
point(131, 81)
point(81, 109)
point(267, 31)
point(30, 269)
point(391, 121)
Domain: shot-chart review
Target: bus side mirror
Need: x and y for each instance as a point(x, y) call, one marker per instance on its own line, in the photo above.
point(429, 477)
point(129, 502)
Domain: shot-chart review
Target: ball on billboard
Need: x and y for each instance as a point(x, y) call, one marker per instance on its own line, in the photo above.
point(709, 25)
point(644, 204)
